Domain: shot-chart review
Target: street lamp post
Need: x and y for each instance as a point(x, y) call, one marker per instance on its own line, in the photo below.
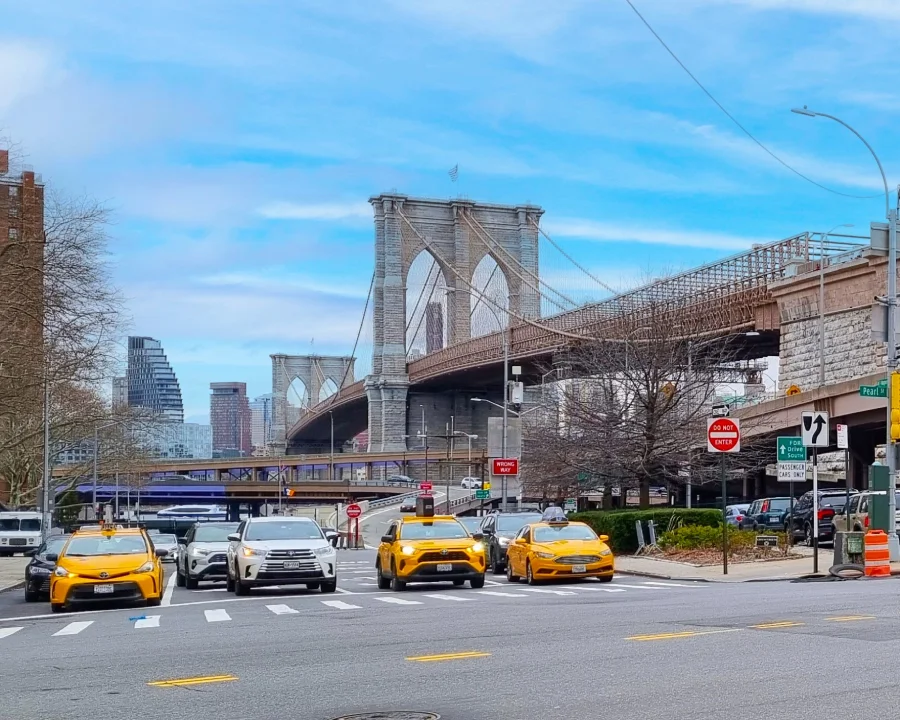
point(891, 334)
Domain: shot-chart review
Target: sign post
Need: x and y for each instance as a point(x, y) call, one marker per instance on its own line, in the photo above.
point(814, 433)
point(723, 435)
point(353, 512)
point(791, 469)
point(843, 443)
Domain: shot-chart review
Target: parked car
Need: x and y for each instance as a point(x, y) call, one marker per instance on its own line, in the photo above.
point(859, 513)
point(40, 569)
point(769, 513)
point(830, 503)
point(736, 516)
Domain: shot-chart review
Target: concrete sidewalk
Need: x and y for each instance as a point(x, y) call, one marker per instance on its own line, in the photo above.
point(12, 572)
point(759, 571)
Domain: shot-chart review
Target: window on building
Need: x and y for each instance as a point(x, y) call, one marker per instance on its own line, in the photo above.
point(13, 211)
point(13, 234)
point(13, 191)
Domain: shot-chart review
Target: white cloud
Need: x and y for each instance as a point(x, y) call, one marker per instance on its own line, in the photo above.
point(316, 211)
point(276, 280)
point(25, 67)
point(611, 232)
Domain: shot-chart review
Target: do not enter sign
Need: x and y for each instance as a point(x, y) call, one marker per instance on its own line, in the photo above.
point(723, 435)
point(354, 511)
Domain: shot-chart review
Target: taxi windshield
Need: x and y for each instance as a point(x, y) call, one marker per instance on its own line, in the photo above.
point(446, 530)
point(563, 532)
point(100, 545)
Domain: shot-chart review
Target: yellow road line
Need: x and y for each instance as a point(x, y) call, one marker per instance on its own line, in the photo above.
point(677, 635)
point(448, 656)
point(202, 680)
point(850, 618)
point(781, 624)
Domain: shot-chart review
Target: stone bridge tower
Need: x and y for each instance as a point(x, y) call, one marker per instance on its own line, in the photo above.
point(458, 234)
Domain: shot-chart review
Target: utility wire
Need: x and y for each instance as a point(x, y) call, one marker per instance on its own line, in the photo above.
point(735, 120)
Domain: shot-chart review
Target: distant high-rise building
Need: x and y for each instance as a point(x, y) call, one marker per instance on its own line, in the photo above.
point(178, 441)
point(119, 392)
point(434, 327)
point(261, 423)
point(151, 380)
point(229, 414)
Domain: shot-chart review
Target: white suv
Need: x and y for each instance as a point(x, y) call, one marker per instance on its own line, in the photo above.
point(471, 483)
point(280, 551)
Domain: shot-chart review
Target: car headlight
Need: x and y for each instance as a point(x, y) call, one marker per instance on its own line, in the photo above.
point(478, 547)
point(199, 552)
point(62, 572)
point(605, 551)
point(146, 567)
point(408, 550)
point(545, 555)
point(252, 552)
point(503, 541)
point(39, 571)
point(327, 550)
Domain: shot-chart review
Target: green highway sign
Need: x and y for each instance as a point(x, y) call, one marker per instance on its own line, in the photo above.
point(482, 494)
point(790, 450)
point(883, 382)
point(873, 391)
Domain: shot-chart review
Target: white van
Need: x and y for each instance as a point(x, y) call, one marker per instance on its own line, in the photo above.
point(20, 532)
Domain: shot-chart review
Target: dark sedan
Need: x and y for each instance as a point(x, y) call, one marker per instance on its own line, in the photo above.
point(408, 505)
point(39, 570)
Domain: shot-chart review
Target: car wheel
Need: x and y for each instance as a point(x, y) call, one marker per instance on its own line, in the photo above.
point(397, 584)
point(31, 595)
point(383, 582)
point(239, 588)
point(312, 586)
point(190, 583)
point(808, 535)
point(229, 582)
point(496, 567)
point(57, 607)
point(510, 577)
point(529, 575)
point(459, 583)
point(179, 578)
point(477, 583)
point(605, 578)
point(329, 587)
point(154, 602)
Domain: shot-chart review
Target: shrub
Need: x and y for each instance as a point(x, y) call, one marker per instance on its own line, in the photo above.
point(619, 524)
point(696, 537)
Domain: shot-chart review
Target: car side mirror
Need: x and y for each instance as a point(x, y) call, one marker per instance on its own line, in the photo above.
point(487, 532)
point(161, 552)
point(52, 557)
point(604, 538)
point(387, 539)
point(520, 541)
point(478, 536)
point(182, 541)
point(234, 537)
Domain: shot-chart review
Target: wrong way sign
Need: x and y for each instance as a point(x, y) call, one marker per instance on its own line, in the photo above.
point(723, 435)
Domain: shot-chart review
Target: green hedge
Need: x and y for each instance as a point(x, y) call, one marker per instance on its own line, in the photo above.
point(698, 537)
point(619, 524)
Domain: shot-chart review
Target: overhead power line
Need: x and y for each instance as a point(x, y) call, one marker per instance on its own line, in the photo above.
point(735, 120)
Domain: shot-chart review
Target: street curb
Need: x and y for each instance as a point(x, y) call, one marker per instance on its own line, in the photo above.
point(660, 576)
point(15, 586)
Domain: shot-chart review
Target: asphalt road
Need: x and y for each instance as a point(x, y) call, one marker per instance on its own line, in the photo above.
point(631, 650)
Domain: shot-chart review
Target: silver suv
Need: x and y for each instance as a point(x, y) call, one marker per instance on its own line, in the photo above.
point(203, 553)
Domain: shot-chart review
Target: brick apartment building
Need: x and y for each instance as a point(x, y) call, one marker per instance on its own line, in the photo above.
point(229, 415)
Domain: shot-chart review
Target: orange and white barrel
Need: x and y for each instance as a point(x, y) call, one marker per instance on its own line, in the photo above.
point(877, 554)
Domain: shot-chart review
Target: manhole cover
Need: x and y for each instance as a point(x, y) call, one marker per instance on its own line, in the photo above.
point(392, 715)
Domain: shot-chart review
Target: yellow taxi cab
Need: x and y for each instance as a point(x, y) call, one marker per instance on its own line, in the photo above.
point(429, 548)
point(555, 549)
point(106, 563)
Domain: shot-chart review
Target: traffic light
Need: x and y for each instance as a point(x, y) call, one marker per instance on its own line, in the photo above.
point(895, 407)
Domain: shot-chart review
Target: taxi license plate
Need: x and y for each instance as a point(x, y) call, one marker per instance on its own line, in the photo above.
point(292, 565)
point(579, 569)
point(103, 589)
point(445, 567)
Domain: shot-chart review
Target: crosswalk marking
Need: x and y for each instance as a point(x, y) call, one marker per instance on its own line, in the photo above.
point(493, 582)
point(639, 587)
point(549, 592)
point(440, 596)
point(216, 615)
point(340, 605)
point(74, 628)
point(602, 589)
point(398, 601)
point(668, 584)
point(282, 609)
point(148, 621)
point(6, 632)
point(500, 594)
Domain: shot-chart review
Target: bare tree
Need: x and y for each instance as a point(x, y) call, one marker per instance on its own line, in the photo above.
point(632, 411)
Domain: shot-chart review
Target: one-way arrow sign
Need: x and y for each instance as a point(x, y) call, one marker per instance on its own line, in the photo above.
point(814, 429)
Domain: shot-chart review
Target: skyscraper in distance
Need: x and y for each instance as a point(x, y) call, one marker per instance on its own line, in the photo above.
point(229, 415)
point(151, 380)
point(261, 423)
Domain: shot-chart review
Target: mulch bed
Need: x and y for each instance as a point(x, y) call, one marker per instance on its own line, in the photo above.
point(737, 555)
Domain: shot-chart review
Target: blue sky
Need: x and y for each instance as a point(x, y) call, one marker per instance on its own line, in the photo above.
point(237, 142)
